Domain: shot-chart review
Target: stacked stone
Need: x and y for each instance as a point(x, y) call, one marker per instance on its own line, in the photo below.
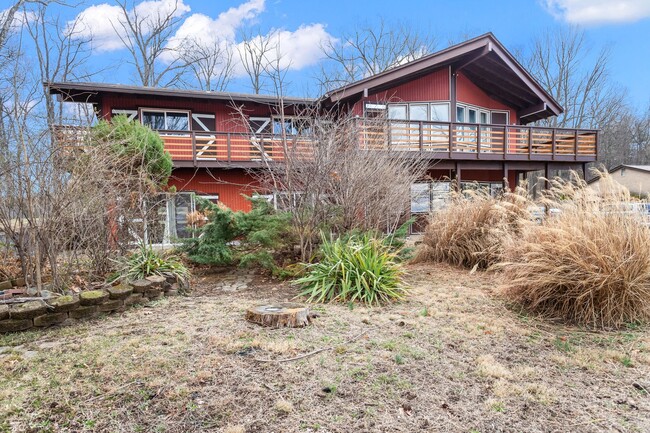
point(38, 313)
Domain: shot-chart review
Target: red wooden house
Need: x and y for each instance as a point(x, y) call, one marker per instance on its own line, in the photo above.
point(469, 109)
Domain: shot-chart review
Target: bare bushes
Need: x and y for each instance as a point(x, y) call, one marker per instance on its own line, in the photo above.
point(589, 264)
point(338, 178)
point(470, 230)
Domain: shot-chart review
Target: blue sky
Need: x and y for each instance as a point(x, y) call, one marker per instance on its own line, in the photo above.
point(621, 25)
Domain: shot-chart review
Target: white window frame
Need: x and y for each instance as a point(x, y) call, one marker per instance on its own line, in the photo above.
point(480, 110)
point(408, 106)
point(165, 111)
point(506, 112)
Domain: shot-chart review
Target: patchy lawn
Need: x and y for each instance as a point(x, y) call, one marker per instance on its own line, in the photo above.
point(450, 358)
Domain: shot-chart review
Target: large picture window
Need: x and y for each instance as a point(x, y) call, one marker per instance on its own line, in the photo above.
point(162, 120)
point(420, 111)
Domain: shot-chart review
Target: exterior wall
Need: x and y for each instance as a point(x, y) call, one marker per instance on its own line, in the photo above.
point(226, 118)
point(431, 87)
point(470, 93)
point(230, 184)
point(637, 181)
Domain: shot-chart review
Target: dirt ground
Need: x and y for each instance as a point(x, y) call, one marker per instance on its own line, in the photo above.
point(452, 357)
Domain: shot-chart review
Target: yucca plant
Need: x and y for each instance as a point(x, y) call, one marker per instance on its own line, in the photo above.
point(360, 268)
point(146, 262)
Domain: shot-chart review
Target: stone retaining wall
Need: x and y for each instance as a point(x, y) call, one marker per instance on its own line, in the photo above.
point(53, 311)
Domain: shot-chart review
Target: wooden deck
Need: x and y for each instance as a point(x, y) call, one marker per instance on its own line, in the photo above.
point(431, 140)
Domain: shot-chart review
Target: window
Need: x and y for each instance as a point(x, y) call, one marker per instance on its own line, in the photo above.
point(292, 126)
point(471, 118)
point(484, 117)
point(397, 112)
point(375, 110)
point(161, 120)
point(460, 113)
point(419, 112)
point(440, 112)
point(420, 197)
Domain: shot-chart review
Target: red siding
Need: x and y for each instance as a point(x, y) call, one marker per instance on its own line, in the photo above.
point(230, 184)
point(470, 93)
point(431, 87)
point(227, 118)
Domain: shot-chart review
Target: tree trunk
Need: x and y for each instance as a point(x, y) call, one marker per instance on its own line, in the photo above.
point(284, 315)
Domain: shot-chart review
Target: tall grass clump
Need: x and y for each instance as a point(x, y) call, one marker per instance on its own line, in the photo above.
point(469, 231)
point(589, 264)
point(146, 261)
point(358, 268)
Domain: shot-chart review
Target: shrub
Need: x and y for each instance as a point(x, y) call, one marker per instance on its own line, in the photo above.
point(252, 238)
point(146, 262)
point(130, 138)
point(589, 264)
point(470, 229)
point(360, 268)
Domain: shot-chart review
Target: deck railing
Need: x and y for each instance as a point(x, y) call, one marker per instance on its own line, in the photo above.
point(435, 140)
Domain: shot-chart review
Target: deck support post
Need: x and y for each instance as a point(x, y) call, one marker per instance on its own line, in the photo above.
point(505, 176)
point(546, 176)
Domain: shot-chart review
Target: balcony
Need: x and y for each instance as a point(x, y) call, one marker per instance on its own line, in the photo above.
point(431, 140)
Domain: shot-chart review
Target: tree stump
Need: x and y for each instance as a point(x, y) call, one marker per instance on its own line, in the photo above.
point(284, 315)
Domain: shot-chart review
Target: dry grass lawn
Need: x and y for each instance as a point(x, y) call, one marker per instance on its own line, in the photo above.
point(450, 358)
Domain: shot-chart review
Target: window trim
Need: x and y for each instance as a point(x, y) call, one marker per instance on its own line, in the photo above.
point(142, 110)
point(408, 105)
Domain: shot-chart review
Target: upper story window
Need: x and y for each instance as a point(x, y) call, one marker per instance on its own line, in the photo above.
point(420, 111)
point(469, 114)
point(292, 126)
point(166, 120)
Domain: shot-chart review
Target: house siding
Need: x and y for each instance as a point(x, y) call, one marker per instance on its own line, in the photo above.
point(227, 119)
point(431, 87)
point(636, 181)
point(470, 93)
point(231, 185)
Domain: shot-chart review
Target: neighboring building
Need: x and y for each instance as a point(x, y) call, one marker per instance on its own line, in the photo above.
point(465, 109)
point(636, 178)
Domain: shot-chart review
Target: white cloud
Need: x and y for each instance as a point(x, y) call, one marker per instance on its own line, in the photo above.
point(598, 11)
point(102, 22)
point(20, 18)
point(302, 47)
point(297, 49)
point(202, 29)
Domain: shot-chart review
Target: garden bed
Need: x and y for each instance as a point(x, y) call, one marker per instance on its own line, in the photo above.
point(450, 357)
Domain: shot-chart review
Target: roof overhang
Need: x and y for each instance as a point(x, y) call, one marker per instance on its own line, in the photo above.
point(485, 61)
point(92, 92)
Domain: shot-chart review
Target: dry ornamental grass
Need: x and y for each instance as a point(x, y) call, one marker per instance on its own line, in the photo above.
point(469, 231)
point(589, 264)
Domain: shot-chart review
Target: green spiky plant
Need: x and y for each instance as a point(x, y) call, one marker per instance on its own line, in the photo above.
point(146, 261)
point(359, 268)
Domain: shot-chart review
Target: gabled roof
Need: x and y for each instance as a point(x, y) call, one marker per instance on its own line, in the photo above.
point(88, 92)
point(485, 61)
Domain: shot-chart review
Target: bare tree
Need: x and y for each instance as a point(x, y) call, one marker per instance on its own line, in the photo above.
point(561, 61)
point(62, 55)
point(146, 38)
point(370, 50)
point(254, 51)
point(211, 65)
